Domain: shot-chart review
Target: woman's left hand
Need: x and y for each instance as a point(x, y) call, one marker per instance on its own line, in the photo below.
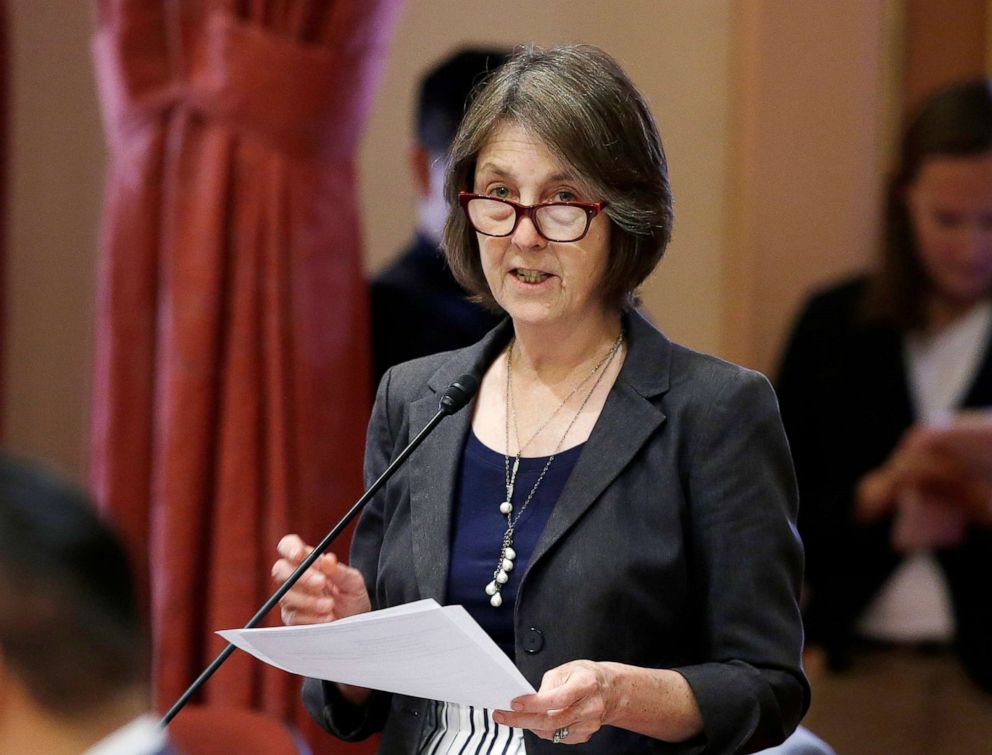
point(580, 696)
point(940, 475)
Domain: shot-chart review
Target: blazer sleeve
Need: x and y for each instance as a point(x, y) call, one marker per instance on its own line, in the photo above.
point(322, 699)
point(747, 560)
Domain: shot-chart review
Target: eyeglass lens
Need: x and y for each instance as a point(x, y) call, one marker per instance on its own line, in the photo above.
point(556, 222)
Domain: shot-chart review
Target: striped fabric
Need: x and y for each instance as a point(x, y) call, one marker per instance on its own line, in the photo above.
point(464, 730)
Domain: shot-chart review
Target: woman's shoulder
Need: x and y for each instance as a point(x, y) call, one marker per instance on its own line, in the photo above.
point(682, 372)
point(706, 377)
point(710, 398)
point(412, 378)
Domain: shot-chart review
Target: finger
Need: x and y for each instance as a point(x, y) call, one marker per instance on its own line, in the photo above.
point(329, 565)
point(347, 579)
point(549, 734)
point(293, 616)
point(546, 725)
point(561, 688)
point(534, 716)
point(903, 464)
point(920, 436)
point(303, 603)
point(296, 617)
point(935, 468)
point(293, 548)
point(312, 581)
point(958, 492)
point(577, 734)
point(536, 722)
point(559, 698)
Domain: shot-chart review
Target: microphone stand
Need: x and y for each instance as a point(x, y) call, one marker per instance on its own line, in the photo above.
point(457, 395)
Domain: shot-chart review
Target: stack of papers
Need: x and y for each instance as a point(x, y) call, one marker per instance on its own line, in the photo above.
point(418, 649)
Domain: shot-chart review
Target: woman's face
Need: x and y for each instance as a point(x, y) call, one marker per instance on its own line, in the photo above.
point(538, 281)
point(950, 206)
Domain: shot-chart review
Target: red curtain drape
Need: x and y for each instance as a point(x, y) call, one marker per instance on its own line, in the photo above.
point(4, 130)
point(231, 376)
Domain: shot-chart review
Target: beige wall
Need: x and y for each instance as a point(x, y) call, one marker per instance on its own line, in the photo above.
point(55, 181)
point(759, 213)
point(811, 115)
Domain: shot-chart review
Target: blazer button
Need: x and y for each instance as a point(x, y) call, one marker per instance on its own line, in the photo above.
point(533, 640)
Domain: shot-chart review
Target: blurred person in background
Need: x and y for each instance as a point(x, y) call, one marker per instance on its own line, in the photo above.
point(418, 308)
point(899, 537)
point(73, 655)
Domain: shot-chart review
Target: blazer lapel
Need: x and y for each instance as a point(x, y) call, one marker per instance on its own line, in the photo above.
point(628, 419)
point(434, 467)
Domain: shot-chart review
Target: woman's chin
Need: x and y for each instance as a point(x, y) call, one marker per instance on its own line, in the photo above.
point(531, 316)
point(532, 312)
point(529, 302)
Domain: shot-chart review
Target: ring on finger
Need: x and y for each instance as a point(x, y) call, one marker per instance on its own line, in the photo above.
point(560, 735)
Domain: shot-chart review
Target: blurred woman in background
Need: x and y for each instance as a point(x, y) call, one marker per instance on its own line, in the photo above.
point(899, 537)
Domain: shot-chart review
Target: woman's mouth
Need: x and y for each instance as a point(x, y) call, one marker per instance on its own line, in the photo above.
point(530, 276)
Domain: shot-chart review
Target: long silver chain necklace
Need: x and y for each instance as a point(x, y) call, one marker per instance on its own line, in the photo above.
point(501, 574)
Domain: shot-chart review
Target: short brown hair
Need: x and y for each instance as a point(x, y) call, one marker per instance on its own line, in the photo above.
point(581, 104)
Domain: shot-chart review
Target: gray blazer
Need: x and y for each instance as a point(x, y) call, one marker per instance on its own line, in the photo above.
point(673, 545)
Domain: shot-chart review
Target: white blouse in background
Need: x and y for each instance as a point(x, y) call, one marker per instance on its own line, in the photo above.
point(914, 605)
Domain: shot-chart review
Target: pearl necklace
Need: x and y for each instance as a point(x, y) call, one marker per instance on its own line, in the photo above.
point(501, 575)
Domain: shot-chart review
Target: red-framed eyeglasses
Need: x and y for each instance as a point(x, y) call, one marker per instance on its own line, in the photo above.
point(555, 221)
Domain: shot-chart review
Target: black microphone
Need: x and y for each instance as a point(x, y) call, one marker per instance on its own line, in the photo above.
point(459, 393)
point(455, 397)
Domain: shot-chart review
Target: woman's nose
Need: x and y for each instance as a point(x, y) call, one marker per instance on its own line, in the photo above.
point(526, 236)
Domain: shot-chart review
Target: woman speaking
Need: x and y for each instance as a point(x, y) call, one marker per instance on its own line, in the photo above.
point(615, 510)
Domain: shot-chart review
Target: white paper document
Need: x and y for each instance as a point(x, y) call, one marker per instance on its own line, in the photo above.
point(418, 649)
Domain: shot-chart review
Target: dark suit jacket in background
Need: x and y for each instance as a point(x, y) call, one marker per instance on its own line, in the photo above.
point(418, 309)
point(846, 402)
point(672, 546)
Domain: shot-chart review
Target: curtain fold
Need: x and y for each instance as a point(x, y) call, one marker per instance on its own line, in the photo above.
point(4, 141)
point(231, 359)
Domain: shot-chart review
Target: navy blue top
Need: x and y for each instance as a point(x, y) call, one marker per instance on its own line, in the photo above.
point(479, 527)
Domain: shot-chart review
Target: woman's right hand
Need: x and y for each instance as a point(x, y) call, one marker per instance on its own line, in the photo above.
point(329, 590)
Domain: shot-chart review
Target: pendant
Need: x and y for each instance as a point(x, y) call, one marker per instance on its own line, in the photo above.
point(502, 574)
point(505, 508)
